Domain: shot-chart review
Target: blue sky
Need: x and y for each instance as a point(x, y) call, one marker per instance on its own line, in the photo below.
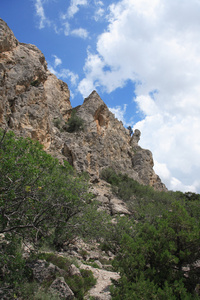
point(142, 57)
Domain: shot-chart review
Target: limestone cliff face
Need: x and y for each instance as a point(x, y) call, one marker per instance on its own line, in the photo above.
point(30, 96)
point(34, 103)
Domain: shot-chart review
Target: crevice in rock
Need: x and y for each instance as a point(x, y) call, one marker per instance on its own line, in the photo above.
point(68, 154)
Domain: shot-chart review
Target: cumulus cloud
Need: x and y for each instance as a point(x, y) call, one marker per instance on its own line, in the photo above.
point(156, 45)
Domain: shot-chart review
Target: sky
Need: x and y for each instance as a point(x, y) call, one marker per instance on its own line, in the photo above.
point(143, 59)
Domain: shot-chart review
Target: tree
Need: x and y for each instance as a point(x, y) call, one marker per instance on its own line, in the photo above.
point(37, 194)
point(130, 130)
point(160, 256)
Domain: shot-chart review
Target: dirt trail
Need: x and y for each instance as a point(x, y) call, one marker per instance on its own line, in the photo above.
point(101, 290)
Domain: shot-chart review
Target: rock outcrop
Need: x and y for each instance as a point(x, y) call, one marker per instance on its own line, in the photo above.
point(34, 103)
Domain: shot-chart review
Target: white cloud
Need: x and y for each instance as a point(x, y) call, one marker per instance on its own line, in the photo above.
point(119, 113)
point(74, 8)
point(67, 74)
point(62, 73)
point(66, 26)
point(80, 32)
point(110, 79)
point(99, 10)
point(52, 70)
point(57, 61)
point(156, 44)
point(99, 13)
point(172, 182)
point(41, 14)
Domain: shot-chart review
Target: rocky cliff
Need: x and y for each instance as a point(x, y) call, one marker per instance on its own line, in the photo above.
point(34, 103)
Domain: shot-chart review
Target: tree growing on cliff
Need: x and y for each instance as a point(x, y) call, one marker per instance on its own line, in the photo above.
point(130, 130)
point(75, 123)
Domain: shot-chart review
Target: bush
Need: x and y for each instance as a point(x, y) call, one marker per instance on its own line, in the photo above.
point(74, 124)
point(142, 200)
point(14, 273)
point(81, 284)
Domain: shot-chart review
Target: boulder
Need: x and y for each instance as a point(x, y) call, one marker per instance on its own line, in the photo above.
point(118, 207)
point(42, 270)
point(73, 270)
point(60, 288)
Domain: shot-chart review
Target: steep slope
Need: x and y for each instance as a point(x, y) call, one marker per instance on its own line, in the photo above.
point(34, 103)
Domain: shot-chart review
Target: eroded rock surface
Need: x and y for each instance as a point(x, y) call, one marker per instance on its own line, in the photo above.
point(34, 103)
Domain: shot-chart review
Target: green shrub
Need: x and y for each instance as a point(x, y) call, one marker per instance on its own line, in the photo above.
point(13, 270)
point(109, 175)
point(142, 200)
point(154, 261)
point(59, 261)
point(81, 284)
point(74, 124)
point(29, 290)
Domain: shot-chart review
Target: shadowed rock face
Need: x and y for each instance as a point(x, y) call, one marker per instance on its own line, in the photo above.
point(34, 103)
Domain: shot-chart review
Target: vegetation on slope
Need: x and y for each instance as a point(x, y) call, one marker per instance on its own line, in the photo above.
point(45, 203)
point(158, 247)
point(41, 202)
